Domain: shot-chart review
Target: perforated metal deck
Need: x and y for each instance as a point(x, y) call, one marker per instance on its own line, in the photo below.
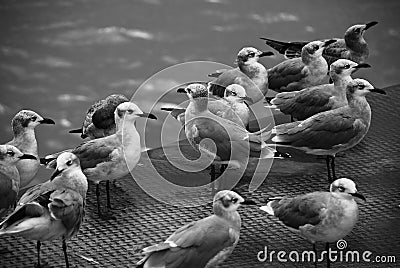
point(142, 221)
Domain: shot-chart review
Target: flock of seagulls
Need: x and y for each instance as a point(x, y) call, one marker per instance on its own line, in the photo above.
point(327, 118)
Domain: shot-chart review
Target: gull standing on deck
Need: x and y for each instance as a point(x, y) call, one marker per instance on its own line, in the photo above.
point(319, 216)
point(250, 74)
point(309, 101)
point(353, 47)
point(111, 157)
point(9, 175)
point(23, 126)
point(298, 73)
point(333, 131)
point(203, 243)
point(99, 121)
point(231, 107)
point(51, 210)
point(228, 136)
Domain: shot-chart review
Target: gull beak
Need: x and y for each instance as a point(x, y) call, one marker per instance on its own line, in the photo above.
point(55, 174)
point(246, 98)
point(266, 53)
point(359, 196)
point(378, 90)
point(327, 43)
point(248, 202)
point(27, 156)
point(47, 121)
point(370, 24)
point(181, 90)
point(148, 115)
point(362, 65)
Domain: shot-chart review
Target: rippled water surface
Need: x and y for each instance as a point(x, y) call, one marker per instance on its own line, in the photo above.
point(58, 57)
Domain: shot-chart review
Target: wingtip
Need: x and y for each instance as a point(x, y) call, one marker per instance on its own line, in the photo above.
point(267, 208)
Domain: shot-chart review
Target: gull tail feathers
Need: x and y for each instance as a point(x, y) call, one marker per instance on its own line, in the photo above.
point(268, 208)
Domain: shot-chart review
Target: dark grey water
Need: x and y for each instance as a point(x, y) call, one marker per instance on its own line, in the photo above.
point(58, 57)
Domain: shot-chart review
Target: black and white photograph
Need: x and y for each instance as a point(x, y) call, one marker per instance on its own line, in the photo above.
point(199, 133)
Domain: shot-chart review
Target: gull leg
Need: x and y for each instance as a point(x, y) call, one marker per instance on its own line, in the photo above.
point(328, 166)
point(98, 197)
point(291, 118)
point(38, 245)
point(108, 194)
point(333, 168)
point(64, 246)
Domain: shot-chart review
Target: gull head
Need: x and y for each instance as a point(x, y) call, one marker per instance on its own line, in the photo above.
point(10, 154)
point(228, 201)
point(248, 55)
point(344, 67)
point(237, 93)
point(69, 174)
point(360, 87)
point(130, 111)
point(345, 185)
point(314, 49)
point(194, 91)
point(28, 119)
point(356, 32)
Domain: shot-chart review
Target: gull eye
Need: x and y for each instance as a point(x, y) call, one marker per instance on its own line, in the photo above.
point(69, 162)
point(33, 118)
point(347, 66)
point(361, 86)
point(234, 93)
point(189, 91)
point(234, 200)
point(130, 111)
point(10, 153)
point(252, 54)
point(316, 47)
point(341, 189)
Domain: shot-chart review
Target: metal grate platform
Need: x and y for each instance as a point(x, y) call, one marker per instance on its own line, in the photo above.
point(142, 221)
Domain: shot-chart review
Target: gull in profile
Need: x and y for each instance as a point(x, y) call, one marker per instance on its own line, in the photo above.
point(334, 131)
point(51, 210)
point(203, 243)
point(298, 73)
point(250, 74)
point(319, 216)
point(9, 175)
point(111, 157)
point(312, 100)
point(352, 47)
point(99, 121)
point(231, 107)
point(23, 126)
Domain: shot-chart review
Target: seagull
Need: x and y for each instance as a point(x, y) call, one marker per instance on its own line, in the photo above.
point(51, 210)
point(99, 121)
point(111, 157)
point(312, 100)
point(203, 243)
point(352, 47)
point(228, 136)
point(231, 107)
point(250, 74)
point(23, 126)
point(298, 73)
point(333, 131)
point(9, 176)
point(319, 216)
